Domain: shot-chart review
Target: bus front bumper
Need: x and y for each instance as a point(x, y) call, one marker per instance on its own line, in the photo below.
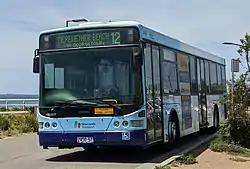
point(81, 139)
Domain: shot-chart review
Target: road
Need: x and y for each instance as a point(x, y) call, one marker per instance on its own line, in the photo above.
point(24, 153)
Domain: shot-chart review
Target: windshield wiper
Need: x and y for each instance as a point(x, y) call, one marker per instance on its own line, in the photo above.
point(75, 102)
point(112, 105)
point(69, 103)
point(100, 101)
point(83, 102)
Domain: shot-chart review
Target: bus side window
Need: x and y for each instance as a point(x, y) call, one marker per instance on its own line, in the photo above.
point(169, 72)
point(213, 79)
point(219, 87)
point(207, 74)
point(193, 75)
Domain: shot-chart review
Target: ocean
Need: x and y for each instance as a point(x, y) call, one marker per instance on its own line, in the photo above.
point(18, 100)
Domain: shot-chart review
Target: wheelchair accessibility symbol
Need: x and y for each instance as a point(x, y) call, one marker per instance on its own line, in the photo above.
point(126, 136)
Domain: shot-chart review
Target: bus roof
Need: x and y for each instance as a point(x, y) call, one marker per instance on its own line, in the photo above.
point(149, 34)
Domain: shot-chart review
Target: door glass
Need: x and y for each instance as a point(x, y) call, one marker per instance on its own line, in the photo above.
point(157, 96)
point(199, 90)
point(149, 93)
point(203, 92)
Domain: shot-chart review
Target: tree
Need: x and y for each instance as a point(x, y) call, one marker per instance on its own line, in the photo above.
point(237, 126)
point(244, 49)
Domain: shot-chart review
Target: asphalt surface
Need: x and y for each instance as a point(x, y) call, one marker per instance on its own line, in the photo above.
point(24, 153)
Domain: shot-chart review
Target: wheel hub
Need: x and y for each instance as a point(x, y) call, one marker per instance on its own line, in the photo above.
point(173, 131)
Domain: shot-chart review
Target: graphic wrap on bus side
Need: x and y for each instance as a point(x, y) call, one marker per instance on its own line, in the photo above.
point(170, 102)
point(186, 112)
point(183, 67)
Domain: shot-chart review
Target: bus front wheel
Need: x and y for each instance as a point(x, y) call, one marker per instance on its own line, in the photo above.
point(90, 148)
point(173, 130)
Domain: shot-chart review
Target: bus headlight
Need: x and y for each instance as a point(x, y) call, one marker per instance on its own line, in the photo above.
point(116, 123)
point(47, 125)
point(125, 123)
point(54, 124)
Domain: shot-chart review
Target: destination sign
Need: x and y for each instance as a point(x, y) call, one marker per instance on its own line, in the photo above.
point(89, 38)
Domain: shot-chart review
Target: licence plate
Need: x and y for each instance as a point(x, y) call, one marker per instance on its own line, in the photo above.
point(85, 139)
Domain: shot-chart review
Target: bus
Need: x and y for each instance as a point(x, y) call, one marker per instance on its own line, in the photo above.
point(121, 83)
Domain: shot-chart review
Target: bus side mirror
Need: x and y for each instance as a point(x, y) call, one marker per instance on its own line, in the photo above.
point(36, 61)
point(36, 65)
point(137, 56)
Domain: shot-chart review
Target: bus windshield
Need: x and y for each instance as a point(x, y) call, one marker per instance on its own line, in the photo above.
point(91, 73)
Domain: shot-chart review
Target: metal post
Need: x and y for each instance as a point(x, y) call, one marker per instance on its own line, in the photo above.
point(232, 89)
point(67, 23)
point(234, 68)
point(23, 104)
point(6, 104)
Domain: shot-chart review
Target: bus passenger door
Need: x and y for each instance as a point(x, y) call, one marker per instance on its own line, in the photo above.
point(153, 100)
point(202, 96)
point(157, 93)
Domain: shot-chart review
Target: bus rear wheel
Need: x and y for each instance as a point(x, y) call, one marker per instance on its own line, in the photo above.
point(216, 119)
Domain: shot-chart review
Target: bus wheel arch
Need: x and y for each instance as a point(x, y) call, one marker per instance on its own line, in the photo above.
point(216, 118)
point(173, 126)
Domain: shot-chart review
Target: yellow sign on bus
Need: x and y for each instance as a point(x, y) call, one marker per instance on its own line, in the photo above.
point(104, 110)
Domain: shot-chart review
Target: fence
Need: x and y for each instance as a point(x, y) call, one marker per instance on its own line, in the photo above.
point(18, 102)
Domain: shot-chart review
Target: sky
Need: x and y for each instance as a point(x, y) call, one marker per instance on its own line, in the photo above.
point(202, 23)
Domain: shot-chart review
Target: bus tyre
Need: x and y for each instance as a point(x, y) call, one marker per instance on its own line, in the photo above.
point(90, 149)
point(173, 131)
point(216, 119)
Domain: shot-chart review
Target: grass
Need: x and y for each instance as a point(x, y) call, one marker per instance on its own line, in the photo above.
point(12, 125)
point(220, 145)
point(164, 167)
point(186, 159)
point(182, 160)
point(217, 145)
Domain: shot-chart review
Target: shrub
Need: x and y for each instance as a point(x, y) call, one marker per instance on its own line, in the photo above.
point(14, 109)
point(219, 145)
point(186, 159)
point(236, 129)
point(29, 109)
point(18, 123)
point(31, 119)
point(26, 108)
point(4, 123)
point(2, 109)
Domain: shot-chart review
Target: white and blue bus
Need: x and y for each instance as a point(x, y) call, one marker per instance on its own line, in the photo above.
point(124, 84)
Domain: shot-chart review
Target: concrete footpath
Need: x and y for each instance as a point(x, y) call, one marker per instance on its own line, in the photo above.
point(24, 153)
point(170, 156)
